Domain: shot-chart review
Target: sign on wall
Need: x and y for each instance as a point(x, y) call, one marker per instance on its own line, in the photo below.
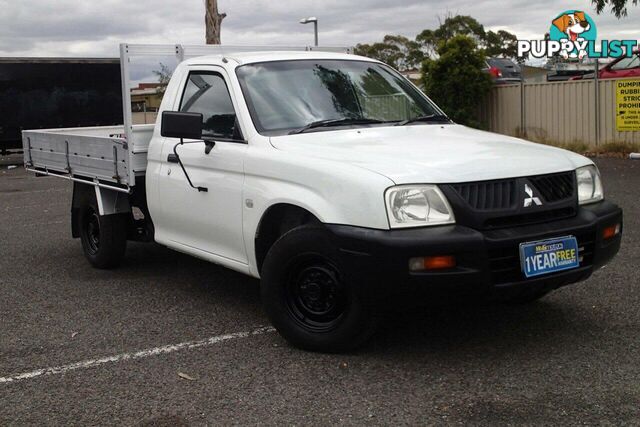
point(628, 105)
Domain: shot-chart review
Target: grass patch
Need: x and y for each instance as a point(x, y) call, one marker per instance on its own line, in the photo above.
point(577, 147)
point(610, 149)
point(619, 147)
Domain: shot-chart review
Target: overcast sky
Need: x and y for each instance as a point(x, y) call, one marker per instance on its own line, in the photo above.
point(94, 28)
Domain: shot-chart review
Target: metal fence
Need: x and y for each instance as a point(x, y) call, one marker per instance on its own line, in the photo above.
point(387, 107)
point(582, 111)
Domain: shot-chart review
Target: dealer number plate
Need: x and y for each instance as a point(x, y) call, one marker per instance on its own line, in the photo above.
point(549, 256)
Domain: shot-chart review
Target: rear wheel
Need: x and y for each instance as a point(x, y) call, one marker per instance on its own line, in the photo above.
point(103, 237)
point(309, 297)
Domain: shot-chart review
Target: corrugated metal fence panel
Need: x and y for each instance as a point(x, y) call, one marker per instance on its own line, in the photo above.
point(559, 112)
point(501, 110)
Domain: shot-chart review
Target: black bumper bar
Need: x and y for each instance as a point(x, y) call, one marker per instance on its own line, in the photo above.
point(486, 261)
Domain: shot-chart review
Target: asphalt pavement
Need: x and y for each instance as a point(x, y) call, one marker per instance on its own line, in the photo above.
point(171, 340)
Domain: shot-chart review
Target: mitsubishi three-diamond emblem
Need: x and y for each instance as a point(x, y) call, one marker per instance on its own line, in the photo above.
point(528, 201)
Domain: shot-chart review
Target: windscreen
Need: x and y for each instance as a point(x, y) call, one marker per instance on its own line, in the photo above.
point(286, 95)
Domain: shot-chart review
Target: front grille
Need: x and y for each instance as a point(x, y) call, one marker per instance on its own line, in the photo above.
point(502, 194)
point(488, 205)
point(488, 195)
point(529, 218)
point(504, 262)
point(555, 187)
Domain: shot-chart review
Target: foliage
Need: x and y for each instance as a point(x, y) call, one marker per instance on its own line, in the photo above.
point(502, 43)
point(387, 53)
point(618, 7)
point(163, 74)
point(405, 54)
point(456, 80)
point(451, 27)
point(411, 51)
point(398, 51)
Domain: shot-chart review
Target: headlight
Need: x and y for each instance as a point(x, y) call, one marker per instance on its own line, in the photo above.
point(589, 185)
point(417, 206)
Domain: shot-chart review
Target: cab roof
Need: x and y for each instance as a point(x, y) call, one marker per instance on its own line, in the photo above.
point(242, 58)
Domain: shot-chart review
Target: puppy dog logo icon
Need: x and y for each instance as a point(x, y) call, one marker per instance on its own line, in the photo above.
point(574, 26)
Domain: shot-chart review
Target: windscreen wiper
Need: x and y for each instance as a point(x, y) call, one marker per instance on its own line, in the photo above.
point(336, 122)
point(431, 118)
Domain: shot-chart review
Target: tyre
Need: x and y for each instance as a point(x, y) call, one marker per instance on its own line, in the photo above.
point(104, 238)
point(309, 297)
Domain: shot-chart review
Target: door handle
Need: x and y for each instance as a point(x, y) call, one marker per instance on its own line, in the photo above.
point(172, 158)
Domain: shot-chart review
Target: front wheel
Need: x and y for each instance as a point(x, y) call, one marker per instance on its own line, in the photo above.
point(103, 237)
point(309, 297)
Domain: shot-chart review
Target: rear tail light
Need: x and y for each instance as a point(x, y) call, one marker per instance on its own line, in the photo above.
point(495, 72)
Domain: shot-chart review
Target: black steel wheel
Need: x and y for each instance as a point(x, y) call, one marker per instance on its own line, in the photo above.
point(309, 297)
point(315, 294)
point(92, 231)
point(103, 237)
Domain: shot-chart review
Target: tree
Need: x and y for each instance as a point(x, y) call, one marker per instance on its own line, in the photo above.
point(410, 50)
point(163, 74)
point(451, 27)
point(456, 80)
point(406, 54)
point(213, 21)
point(618, 7)
point(502, 43)
point(387, 53)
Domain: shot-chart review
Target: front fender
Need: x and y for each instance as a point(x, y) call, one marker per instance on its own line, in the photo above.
point(334, 192)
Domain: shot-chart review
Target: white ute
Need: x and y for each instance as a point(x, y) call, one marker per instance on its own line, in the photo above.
point(335, 181)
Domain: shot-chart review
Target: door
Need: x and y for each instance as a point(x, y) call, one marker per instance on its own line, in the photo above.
point(209, 221)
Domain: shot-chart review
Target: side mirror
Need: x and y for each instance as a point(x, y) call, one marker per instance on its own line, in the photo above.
point(181, 125)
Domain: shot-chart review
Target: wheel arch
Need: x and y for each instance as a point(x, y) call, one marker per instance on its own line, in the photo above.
point(110, 202)
point(81, 192)
point(276, 220)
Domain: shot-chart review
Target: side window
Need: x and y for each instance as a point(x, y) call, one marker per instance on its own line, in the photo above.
point(207, 93)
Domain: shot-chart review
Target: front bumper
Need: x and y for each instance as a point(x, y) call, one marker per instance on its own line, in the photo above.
point(488, 262)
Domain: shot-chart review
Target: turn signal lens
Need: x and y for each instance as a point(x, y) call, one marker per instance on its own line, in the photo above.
point(432, 263)
point(611, 231)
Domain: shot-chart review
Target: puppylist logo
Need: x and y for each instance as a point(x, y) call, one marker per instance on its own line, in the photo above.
point(573, 35)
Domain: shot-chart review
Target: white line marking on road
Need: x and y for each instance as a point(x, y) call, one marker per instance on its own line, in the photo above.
point(38, 224)
point(133, 356)
point(19, 192)
point(38, 205)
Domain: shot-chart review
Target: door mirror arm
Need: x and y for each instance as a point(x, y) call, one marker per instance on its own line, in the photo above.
point(208, 145)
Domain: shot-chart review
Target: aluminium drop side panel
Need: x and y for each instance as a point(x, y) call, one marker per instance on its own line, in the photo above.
point(74, 156)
